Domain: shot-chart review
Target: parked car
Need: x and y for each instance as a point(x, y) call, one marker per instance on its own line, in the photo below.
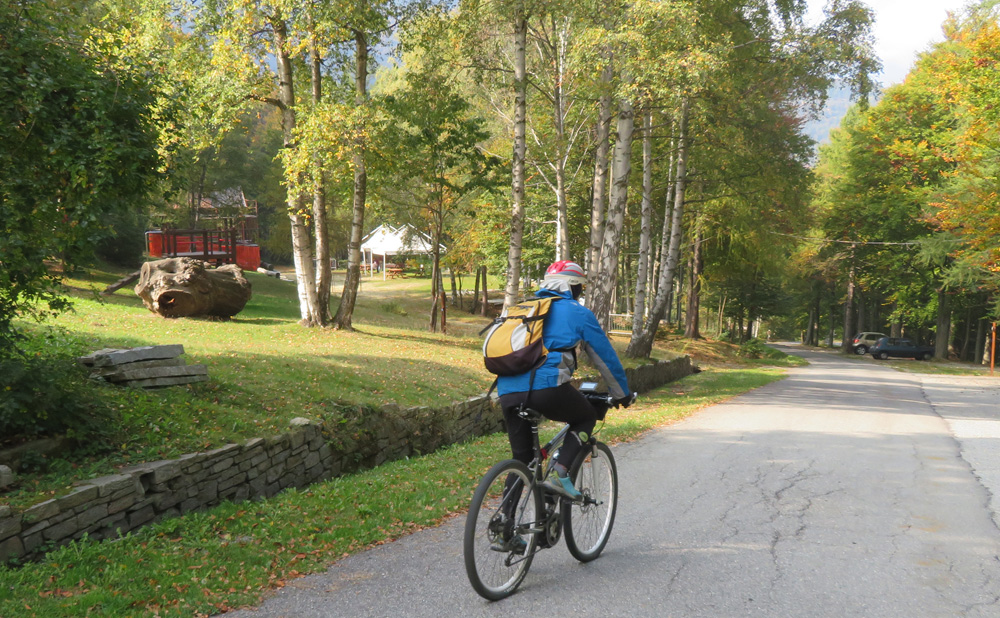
point(899, 347)
point(864, 341)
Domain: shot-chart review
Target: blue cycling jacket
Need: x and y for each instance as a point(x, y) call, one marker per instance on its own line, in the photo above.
point(568, 324)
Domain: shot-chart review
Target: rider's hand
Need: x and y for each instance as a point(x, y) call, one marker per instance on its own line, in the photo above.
point(625, 401)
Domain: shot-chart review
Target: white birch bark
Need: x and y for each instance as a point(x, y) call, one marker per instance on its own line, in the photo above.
point(302, 253)
point(646, 225)
point(641, 346)
point(600, 170)
point(602, 283)
point(517, 164)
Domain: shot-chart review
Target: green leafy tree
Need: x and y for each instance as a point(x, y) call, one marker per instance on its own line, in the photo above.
point(758, 67)
point(80, 146)
point(439, 166)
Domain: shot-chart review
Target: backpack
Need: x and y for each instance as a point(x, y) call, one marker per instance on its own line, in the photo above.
point(514, 344)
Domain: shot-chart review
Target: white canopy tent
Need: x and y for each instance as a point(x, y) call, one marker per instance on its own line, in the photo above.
point(385, 241)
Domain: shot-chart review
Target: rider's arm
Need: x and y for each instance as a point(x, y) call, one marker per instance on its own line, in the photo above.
point(603, 355)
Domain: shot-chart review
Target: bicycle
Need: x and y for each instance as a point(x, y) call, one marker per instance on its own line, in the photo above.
point(513, 516)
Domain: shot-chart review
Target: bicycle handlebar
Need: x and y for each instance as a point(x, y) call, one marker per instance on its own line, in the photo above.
point(607, 399)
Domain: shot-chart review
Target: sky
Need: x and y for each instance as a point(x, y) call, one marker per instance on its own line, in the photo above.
point(903, 28)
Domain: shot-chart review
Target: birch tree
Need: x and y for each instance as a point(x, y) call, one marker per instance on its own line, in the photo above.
point(640, 346)
point(602, 286)
point(254, 44)
point(520, 27)
point(645, 230)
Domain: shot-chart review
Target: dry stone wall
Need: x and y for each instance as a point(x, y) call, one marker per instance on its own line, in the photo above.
point(355, 438)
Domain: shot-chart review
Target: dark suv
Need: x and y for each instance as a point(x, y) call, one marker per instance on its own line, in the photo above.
point(903, 348)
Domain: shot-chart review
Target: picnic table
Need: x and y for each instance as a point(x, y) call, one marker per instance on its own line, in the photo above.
point(393, 270)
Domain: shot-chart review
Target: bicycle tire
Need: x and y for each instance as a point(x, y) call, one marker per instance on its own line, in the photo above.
point(588, 526)
point(496, 572)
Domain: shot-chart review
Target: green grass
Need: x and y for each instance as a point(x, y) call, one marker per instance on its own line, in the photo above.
point(940, 367)
point(228, 557)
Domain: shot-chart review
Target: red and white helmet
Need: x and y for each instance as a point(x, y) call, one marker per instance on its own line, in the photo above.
point(566, 271)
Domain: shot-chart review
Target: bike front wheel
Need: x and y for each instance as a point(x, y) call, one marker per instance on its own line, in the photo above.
point(588, 524)
point(500, 530)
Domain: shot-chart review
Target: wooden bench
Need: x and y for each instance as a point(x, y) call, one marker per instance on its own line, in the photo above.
point(392, 272)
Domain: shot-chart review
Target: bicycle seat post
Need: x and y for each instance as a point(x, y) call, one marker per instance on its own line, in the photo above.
point(533, 417)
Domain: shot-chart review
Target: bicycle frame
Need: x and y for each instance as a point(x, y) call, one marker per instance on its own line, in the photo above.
point(539, 471)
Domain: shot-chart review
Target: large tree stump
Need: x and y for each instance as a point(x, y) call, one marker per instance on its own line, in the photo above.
point(183, 287)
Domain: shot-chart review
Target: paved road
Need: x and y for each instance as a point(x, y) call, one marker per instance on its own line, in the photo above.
point(848, 489)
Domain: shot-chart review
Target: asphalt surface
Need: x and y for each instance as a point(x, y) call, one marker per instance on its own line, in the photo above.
point(847, 489)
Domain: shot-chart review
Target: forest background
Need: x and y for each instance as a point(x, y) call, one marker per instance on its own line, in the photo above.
point(659, 144)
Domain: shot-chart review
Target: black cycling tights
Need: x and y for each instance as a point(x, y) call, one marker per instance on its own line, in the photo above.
point(562, 403)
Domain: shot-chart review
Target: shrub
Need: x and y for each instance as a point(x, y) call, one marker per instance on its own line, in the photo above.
point(125, 245)
point(753, 348)
point(46, 396)
point(394, 308)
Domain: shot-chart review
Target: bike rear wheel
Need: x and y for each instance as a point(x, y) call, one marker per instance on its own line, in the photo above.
point(502, 511)
point(588, 525)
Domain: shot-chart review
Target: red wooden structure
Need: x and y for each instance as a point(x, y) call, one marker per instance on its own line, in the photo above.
point(214, 246)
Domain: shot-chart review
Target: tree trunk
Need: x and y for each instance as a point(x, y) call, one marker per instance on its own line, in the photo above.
point(320, 228)
point(989, 345)
point(432, 325)
point(437, 279)
point(845, 344)
point(643, 268)
point(663, 247)
point(896, 328)
point(607, 272)
point(833, 327)
point(559, 113)
point(963, 351)
point(302, 250)
point(977, 354)
point(722, 312)
point(691, 330)
point(486, 294)
point(862, 325)
point(640, 347)
point(517, 162)
point(183, 287)
point(444, 313)
point(353, 279)
point(942, 335)
point(475, 295)
point(600, 169)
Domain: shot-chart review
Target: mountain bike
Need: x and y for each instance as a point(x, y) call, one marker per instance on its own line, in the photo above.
point(513, 516)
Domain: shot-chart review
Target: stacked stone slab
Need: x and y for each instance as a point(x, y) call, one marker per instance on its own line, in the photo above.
point(358, 438)
point(146, 367)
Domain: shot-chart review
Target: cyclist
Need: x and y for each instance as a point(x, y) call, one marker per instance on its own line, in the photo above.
point(548, 389)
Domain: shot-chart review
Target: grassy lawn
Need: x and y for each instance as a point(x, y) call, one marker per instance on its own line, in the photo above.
point(266, 370)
